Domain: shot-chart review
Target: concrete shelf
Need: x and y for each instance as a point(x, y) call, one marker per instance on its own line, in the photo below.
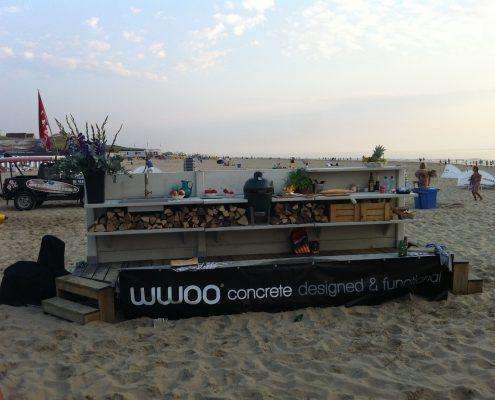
point(355, 169)
point(246, 228)
point(349, 197)
point(153, 202)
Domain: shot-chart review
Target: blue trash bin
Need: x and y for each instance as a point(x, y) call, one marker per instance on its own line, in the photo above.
point(427, 198)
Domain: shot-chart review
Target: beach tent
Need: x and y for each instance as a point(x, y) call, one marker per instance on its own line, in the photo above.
point(487, 179)
point(140, 170)
point(451, 172)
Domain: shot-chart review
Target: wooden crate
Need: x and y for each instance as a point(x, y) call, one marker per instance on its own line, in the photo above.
point(347, 212)
point(376, 211)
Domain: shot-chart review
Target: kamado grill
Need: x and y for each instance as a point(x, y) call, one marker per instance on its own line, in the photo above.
point(258, 192)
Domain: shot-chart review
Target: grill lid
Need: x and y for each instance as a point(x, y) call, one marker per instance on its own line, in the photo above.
point(257, 184)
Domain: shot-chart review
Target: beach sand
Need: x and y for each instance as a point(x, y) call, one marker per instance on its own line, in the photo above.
point(407, 349)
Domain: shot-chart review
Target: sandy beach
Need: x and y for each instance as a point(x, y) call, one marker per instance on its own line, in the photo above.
point(407, 349)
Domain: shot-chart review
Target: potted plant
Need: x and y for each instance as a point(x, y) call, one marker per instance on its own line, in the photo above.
point(376, 159)
point(87, 154)
point(299, 181)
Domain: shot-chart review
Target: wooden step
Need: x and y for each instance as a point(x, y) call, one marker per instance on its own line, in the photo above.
point(463, 281)
point(101, 291)
point(70, 310)
point(81, 286)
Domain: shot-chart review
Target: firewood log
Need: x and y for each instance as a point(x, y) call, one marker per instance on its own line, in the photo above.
point(243, 221)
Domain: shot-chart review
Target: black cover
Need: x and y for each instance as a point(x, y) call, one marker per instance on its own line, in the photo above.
point(146, 292)
point(52, 255)
point(29, 282)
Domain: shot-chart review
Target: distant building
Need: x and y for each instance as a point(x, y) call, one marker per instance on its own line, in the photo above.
point(153, 152)
point(19, 135)
point(21, 144)
point(132, 153)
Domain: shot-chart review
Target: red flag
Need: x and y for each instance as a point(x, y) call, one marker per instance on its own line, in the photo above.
point(43, 125)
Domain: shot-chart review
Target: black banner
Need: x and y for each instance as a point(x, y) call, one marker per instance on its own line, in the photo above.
point(165, 293)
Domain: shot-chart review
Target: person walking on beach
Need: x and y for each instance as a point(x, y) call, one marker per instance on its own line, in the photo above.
point(422, 175)
point(475, 183)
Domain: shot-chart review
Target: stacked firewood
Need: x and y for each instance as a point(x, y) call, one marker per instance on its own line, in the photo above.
point(177, 217)
point(218, 216)
point(299, 213)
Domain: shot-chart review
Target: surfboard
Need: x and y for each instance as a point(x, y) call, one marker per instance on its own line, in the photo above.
point(49, 186)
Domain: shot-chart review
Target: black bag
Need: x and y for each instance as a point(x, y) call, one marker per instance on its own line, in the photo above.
point(29, 282)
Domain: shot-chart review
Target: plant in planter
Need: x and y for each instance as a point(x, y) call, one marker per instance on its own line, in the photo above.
point(377, 156)
point(87, 154)
point(431, 175)
point(298, 181)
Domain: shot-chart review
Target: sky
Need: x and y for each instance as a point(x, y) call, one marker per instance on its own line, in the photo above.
point(259, 77)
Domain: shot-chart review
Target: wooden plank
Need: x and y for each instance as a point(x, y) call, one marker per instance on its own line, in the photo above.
point(460, 277)
point(475, 286)
point(344, 212)
point(387, 211)
point(70, 310)
point(88, 271)
point(106, 298)
point(112, 276)
point(101, 272)
point(81, 286)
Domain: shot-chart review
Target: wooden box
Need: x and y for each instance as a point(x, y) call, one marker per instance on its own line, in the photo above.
point(376, 211)
point(347, 212)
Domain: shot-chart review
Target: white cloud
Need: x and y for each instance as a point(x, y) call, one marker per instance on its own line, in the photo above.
point(60, 62)
point(238, 23)
point(140, 56)
point(28, 44)
point(210, 35)
point(255, 43)
point(28, 55)
point(132, 36)
point(11, 9)
point(99, 46)
point(203, 46)
point(260, 6)
point(6, 52)
point(162, 16)
point(152, 76)
point(202, 60)
point(157, 49)
point(327, 28)
point(209, 59)
point(117, 68)
point(135, 10)
point(93, 22)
